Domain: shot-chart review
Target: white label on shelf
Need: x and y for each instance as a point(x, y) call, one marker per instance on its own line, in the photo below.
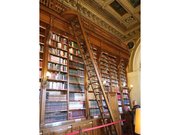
point(95, 116)
point(57, 124)
point(69, 127)
point(76, 120)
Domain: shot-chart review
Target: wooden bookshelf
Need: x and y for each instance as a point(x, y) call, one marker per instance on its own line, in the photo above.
point(126, 102)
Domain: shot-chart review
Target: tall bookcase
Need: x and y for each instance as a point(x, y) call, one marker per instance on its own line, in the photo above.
point(77, 104)
point(123, 85)
point(63, 80)
point(108, 68)
point(56, 108)
point(94, 111)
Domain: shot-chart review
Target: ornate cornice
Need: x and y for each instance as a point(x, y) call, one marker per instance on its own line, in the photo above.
point(83, 8)
point(100, 17)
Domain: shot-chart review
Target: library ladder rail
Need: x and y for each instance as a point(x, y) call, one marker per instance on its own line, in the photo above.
point(92, 70)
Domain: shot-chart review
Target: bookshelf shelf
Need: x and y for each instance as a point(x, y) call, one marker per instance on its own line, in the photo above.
point(76, 83)
point(76, 76)
point(57, 89)
point(77, 55)
point(54, 80)
point(56, 111)
point(58, 55)
point(53, 70)
point(57, 63)
point(77, 109)
point(73, 67)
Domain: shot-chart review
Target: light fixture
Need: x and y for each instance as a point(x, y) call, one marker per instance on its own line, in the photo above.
point(137, 121)
point(130, 87)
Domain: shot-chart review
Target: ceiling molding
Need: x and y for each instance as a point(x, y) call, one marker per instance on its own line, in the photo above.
point(99, 12)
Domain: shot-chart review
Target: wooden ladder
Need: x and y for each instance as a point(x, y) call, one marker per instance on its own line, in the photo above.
point(92, 71)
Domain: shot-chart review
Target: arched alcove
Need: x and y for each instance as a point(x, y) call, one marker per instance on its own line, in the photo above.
point(133, 72)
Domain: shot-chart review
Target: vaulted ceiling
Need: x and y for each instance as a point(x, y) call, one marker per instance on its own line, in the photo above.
point(119, 17)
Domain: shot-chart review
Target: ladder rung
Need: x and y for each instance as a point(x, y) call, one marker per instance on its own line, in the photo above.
point(98, 93)
point(90, 76)
point(97, 88)
point(91, 83)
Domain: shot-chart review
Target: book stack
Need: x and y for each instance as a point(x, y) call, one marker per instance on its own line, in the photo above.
point(76, 105)
point(55, 117)
point(57, 85)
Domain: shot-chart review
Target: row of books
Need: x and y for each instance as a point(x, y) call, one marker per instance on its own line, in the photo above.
point(74, 64)
point(41, 39)
point(103, 56)
point(105, 76)
point(118, 96)
point(53, 66)
point(103, 60)
point(58, 103)
point(126, 101)
point(58, 52)
point(54, 93)
point(73, 79)
point(58, 76)
point(113, 67)
point(57, 59)
point(104, 71)
point(113, 75)
point(113, 60)
point(57, 98)
point(125, 91)
point(75, 87)
point(114, 81)
point(94, 112)
point(104, 64)
point(119, 102)
point(41, 48)
point(74, 51)
point(73, 44)
point(56, 85)
point(55, 108)
point(57, 45)
point(55, 117)
point(76, 105)
point(113, 71)
point(93, 104)
point(77, 96)
point(120, 109)
point(40, 56)
point(76, 114)
point(125, 96)
point(74, 58)
point(76, 72)
point(58, 38)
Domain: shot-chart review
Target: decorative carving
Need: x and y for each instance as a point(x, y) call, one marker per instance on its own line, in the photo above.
point(130, 20)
